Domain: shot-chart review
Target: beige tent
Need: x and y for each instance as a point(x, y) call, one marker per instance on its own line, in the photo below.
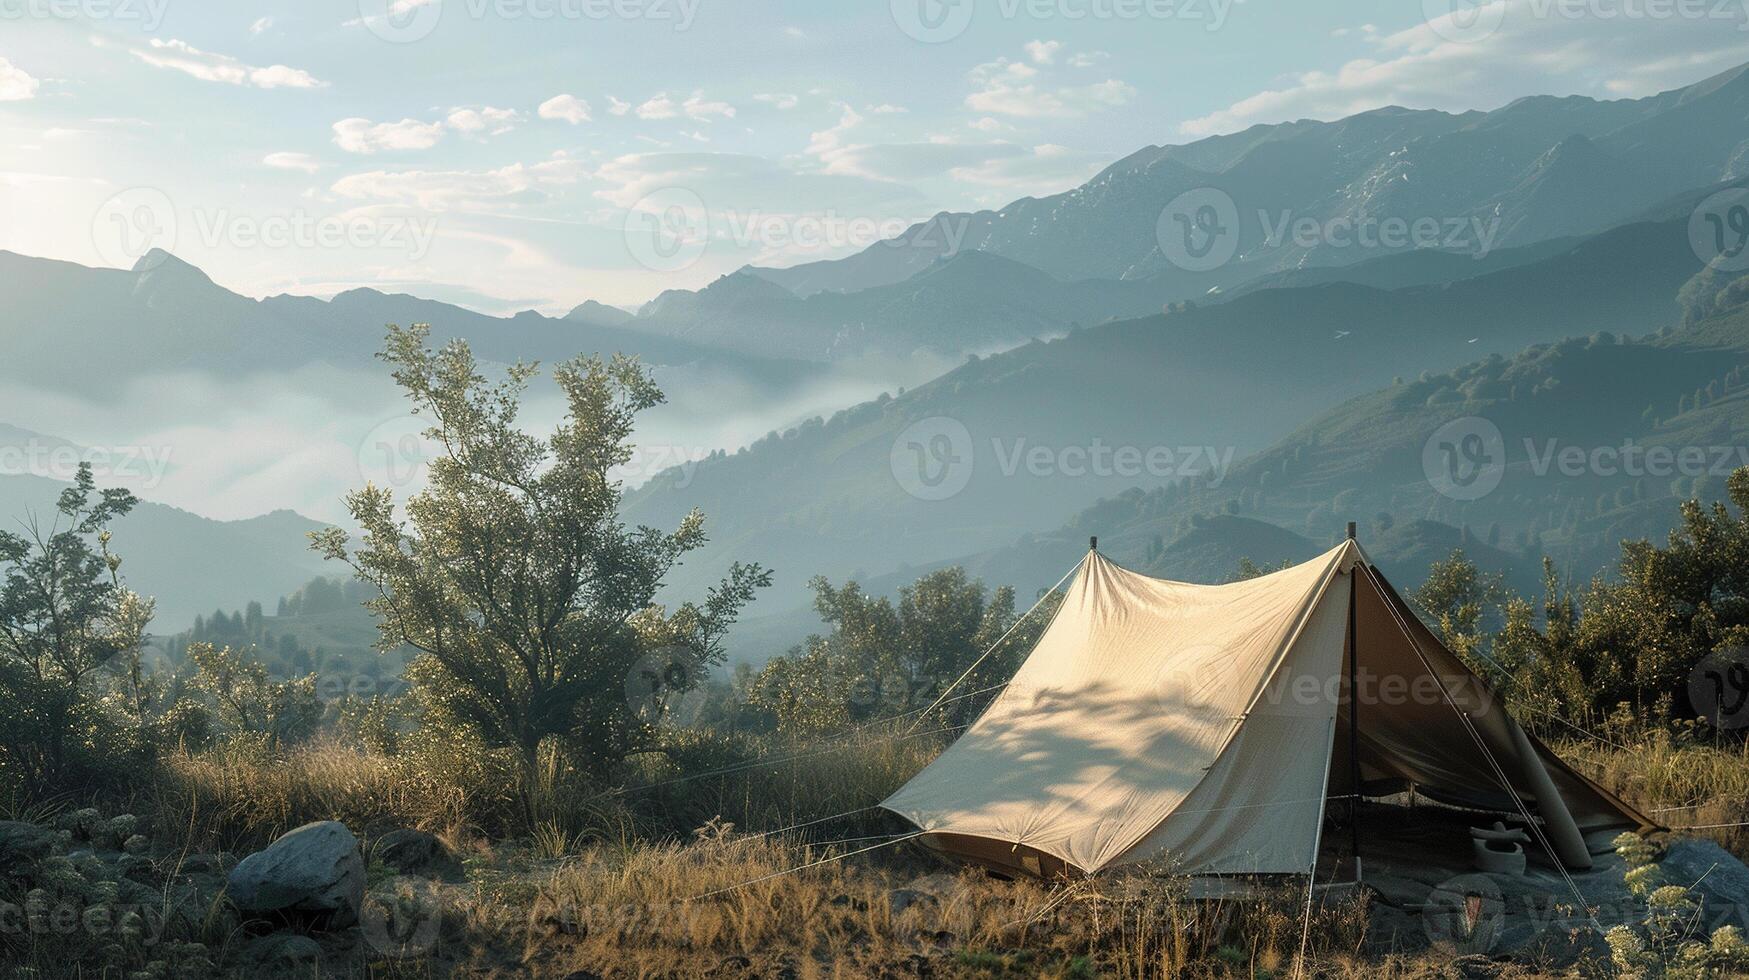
point(1209, 726)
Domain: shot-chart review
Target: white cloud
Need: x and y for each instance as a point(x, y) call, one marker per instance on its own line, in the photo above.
point(1011, 88)
point(916, 161)
point(886, 109)
point(780, 100)
point(988, 124)
point(292, 161)
point(1036, 171)
point(1043, 52)
point(1533, 48)
point(16, 85)
point(444, 190)
point(261, 25)
point(795, 32)
point(658, 106)
point(697, 107)
point(617, 107)
point(1087, 59)
point(358, 135)
point(746, 183)
point(566, 107)
point(208, 67)
point(824, 142)
point(485, 119)
point(661, 106)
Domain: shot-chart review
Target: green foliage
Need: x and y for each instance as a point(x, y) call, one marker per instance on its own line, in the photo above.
point(511, 574)
point(1457, 594)
point(251, 703)
point(1663, 947)
point(1626, 643)
point(66, 625)
point(883, 659)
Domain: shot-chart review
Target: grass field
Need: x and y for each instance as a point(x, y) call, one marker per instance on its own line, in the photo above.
point(683, 877)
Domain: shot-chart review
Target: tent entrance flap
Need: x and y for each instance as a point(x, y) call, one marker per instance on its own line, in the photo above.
point(1207, 726)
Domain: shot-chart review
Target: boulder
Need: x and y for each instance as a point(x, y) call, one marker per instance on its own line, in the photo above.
point(285, 953)
point(411, 852)
point(312, 873)
point(22, 845)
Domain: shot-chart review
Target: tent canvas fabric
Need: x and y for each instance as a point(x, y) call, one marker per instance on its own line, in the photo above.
point(1209, 725)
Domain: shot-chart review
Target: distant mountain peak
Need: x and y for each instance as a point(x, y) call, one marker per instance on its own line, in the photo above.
point(163, 264)
point(600, 314)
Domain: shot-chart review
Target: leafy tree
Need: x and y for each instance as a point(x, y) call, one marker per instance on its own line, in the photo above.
point(64, 618)
point(884, 659)
point(511, 574)
point(1457, 595)
point(1635, 640)
point(250, 702)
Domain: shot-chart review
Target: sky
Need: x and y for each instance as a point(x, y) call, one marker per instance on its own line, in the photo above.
point(532, 154)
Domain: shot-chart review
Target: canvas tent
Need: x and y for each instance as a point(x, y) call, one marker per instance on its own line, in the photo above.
point(1210, 726)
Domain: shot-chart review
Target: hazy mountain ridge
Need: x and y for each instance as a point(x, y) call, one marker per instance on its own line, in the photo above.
point(188, 563)
point(1543, 166)
point(1685, 391)
point(823, 498)
point(65, 321)
point(966, 302)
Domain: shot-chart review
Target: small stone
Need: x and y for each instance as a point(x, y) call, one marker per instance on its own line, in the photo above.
point(901, 899)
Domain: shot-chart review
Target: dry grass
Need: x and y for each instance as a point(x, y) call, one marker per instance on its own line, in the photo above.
point(238, 801)
point(612, 883)
point(689, 910)
point(1689, 785)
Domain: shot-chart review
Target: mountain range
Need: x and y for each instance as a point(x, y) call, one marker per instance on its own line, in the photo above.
point(1210, 384)
point(1084, 334)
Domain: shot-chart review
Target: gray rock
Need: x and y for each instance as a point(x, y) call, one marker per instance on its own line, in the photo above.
point(411, 851)
point(24, 844)
point(1720, 878)
point(313, 872)
point(283, 953)
point(900, 899)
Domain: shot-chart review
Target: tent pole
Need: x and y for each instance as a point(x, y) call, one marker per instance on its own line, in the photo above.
point(1353, 723)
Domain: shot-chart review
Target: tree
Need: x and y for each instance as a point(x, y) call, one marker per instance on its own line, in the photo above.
point(252, 703)
point(65, 617)
point(883, 660)
point(1456, 595)
point(1635, 640)
point(511, 574)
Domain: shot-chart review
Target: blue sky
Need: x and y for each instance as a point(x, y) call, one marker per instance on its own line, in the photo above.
point(513, 154)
